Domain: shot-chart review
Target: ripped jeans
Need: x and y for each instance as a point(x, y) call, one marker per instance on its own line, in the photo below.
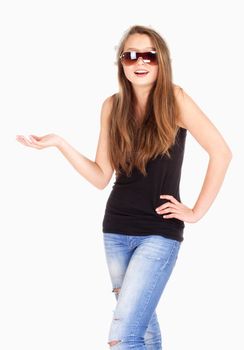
point(139, 268)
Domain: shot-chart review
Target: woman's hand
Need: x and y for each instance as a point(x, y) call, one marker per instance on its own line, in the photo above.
point(40, 142)
point(176, 209)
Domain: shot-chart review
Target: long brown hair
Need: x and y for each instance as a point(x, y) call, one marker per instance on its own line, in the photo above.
point(132, 146)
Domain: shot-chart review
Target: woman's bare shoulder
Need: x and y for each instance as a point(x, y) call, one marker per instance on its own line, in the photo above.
point(107, 107)
point(108, 102)
point(200, 125)
point(177, 90)
point(179, 93)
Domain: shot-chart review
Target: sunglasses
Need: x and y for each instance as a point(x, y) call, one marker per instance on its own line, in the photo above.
point(129, 58)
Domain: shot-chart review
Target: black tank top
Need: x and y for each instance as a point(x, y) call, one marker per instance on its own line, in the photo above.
point(130, 208)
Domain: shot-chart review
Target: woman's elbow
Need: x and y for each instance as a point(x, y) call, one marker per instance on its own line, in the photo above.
point(225, 156)
point(228, 154)
point(102, 185)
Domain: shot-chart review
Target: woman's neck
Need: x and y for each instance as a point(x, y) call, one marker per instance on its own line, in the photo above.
point(141, 95)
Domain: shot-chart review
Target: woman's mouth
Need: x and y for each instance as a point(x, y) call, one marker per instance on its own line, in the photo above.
point(141, 72)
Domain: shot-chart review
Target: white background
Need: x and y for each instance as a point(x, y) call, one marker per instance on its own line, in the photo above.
point(57, 67)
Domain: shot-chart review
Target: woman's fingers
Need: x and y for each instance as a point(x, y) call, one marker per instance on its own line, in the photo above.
point(171, 198)
point(39, 142)
point(176, 209)
point(169, 209)
point(172, 209)
point(35, 143)
point(37, 138)
point(174, 215)
point(173, 203)
point(22, 139)
point(168, 204)
point(26, 141)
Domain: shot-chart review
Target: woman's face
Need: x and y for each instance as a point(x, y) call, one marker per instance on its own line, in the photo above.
point(140, 43)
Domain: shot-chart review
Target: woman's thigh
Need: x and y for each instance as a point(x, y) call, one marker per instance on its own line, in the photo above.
point(118, 254)
point(146, 275)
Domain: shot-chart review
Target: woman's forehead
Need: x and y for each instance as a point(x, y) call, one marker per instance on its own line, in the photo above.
point(138, 42)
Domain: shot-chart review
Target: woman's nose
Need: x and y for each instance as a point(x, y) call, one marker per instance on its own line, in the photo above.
point(140, 59)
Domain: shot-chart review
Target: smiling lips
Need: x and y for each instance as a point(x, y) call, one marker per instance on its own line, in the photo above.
point(141, 72)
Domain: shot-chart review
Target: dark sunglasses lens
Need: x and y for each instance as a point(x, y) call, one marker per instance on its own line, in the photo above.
point(129, 58)
point(149, 57)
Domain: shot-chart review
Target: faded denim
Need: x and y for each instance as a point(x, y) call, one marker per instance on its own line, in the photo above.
point(140, 266)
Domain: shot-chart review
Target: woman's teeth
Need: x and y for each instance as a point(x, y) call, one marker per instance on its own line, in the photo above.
point(141, 72)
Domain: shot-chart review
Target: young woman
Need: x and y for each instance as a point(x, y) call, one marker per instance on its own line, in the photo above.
point(142, 139)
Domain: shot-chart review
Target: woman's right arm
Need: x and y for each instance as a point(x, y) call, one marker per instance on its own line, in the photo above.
point(98, 172)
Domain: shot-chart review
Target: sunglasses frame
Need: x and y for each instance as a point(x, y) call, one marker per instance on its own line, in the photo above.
point(133, 61)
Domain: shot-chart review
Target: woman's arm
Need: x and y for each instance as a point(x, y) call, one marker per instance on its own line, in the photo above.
point(202, 129)
point(98, 172)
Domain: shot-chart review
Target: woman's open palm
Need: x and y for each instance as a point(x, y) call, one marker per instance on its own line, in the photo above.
point(39, 142)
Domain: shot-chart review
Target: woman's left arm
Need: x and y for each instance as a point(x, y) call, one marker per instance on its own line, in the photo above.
point(202, 129)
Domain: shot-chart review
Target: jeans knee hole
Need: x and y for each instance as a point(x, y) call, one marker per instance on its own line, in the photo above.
point(116, 290)
point(114, 342)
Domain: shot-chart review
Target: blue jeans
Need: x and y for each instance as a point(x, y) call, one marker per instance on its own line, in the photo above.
point(139, 268)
